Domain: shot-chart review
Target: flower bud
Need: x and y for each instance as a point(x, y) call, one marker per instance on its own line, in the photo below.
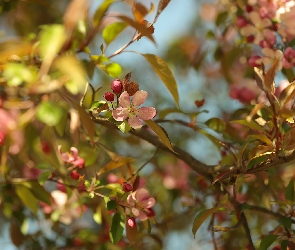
point(74, 175)
point(150, 212)
point(127, 187)
point(45, 147)
point(2, 138)
point(254, 61)
point(117, 86)
point(131, 222)
point(241, 21)
point(109, 96)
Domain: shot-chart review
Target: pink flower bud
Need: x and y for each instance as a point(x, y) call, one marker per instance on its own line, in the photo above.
point(241, 21)
point(131, 222)
point(117, 86)
point(109, 96)
point(61, 187)
point(254, 61)
point(2, 138)
point(74, 175)
point(127, 187)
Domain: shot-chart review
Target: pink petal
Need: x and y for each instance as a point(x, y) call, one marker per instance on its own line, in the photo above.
point(141, 194)
point(142, 216)
point(134, 122)
point(146, 113)
point(139, 97)
point(148, 203)
point(120, 114)
point(130, 200)
point(135, 211)
point(74, 152)
point(124, 100)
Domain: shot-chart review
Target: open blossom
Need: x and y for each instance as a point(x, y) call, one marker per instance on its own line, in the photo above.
point(131, 111)
point(72, 157)
point(67, 208)
point(257, 28)
point(140, 204)
point(271, 56)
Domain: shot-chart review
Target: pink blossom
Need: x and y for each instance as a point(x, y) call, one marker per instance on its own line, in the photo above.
point(72, 157)
point(271, 56)
point(9, 126)
point(131, 111)
point(140, 204)
point(289, 58)
point(243, 94)
point(258, 26)
point(176, 175)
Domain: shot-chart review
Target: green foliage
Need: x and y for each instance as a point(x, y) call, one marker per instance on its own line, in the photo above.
point(117, 228)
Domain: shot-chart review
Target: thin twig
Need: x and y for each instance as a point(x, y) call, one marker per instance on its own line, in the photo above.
point(247, 231)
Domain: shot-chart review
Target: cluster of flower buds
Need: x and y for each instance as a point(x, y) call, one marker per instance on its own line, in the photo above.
point(119, 86)
point(73, 160)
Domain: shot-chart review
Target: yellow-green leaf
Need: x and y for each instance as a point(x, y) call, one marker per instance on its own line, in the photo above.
point(163, 71)
point(216, 124)
point(101, 10)
point(259, 159)
point(112, 31)
point(113, 70)
point(72, 68)
point(160, 132)
point(27, 197)
point(51, 41)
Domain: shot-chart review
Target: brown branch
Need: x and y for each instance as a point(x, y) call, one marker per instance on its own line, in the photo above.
point(247, 231)
point(144, 134)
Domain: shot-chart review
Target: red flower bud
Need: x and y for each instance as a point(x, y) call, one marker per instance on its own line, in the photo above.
point(150, 212)
point(131, 222)
point(45, 147)
point(241, 21)
point(109, 96)
point(2, 138)
point(117, 86)
point(74, 175)
point(127, 187)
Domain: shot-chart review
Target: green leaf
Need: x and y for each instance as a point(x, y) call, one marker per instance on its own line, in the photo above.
point(17, 73)
point(262, 138)
point(111, 205)
point(101, 10)
point(51, 41)
point(286, 222)
point(124, 127)
point(267, 241)
point(27, 197)
point(73, 69)
point(289, 191)
point(44, 177)
point(163, 71)
point(38, 191)
point(213, 139)
point(161, 133)
point(201, 217)
point(221, 18)
point(112, 31)
point(49, 113)
point(250, 124)
point(113, 69)
point(216, 124)
point(259, 159)
point(117, 228)
point(88, 96)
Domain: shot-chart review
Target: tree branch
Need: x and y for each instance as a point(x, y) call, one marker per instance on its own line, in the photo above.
point(181, 154)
